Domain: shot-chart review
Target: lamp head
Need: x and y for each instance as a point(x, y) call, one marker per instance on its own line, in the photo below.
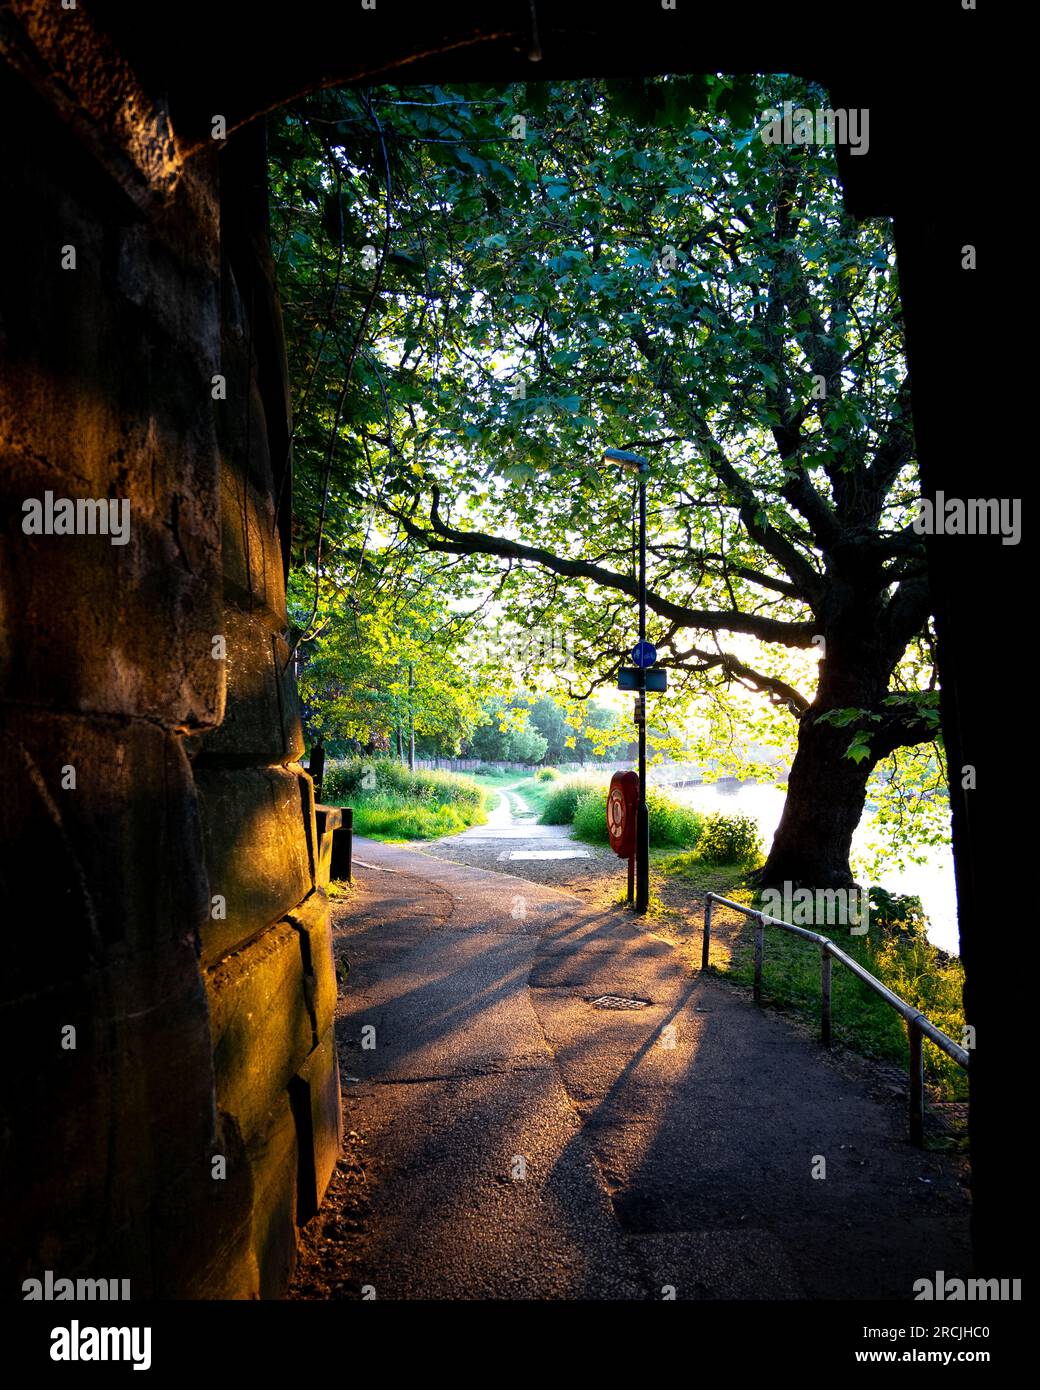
point(627, 460)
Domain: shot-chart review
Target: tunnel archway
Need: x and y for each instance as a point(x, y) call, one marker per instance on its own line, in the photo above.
point(188, 784)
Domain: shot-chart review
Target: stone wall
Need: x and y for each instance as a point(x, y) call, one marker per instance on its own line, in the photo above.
point(159, 864)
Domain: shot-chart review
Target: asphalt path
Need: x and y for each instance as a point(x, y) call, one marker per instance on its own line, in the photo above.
point(527, 1141)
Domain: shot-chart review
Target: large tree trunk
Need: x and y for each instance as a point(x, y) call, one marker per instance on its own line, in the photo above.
point(825, 796)
point(826, 791)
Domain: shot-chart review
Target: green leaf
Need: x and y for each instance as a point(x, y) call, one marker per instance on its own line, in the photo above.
point(859, 749)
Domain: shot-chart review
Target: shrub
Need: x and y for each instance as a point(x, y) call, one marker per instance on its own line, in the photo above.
point(590, 816)
point(931, 981)
point(385, 815)
point(897, 914)
point(486, 770)
point(340, 782)
point(727, 839)
point(562, 801)
point(672, 825)
point(364, 777)
point(547, 774)
point(389, 800)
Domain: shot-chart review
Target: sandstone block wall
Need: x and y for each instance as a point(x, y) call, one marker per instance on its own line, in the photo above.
point(142, 778)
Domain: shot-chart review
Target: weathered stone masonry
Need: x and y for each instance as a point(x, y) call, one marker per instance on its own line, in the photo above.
point(199, 1034)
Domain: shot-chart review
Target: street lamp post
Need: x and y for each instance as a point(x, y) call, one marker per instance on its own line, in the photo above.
point(642, 467)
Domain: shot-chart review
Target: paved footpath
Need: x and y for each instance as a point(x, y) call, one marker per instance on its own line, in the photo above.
point(527, 1143)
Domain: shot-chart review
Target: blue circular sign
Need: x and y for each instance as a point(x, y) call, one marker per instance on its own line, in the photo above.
point(644, 654)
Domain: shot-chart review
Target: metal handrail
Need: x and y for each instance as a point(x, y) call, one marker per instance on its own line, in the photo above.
point(918, 1026)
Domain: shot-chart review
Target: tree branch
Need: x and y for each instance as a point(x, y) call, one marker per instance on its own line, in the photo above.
point(446, 538)
point(779, 691)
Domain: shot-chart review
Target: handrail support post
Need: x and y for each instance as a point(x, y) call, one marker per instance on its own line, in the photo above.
point(916, 1040)
point(825, 996)
point(918, 1026)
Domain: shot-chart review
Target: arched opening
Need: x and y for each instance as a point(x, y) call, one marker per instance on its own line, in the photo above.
point(188, 785)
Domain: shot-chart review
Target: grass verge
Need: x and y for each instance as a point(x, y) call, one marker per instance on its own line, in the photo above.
point(910, 965)
point(391, 803)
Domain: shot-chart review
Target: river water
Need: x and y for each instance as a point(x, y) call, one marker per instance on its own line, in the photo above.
point(932, 882)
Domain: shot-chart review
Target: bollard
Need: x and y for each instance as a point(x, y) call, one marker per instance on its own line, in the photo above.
point(328, 820)
point(342, 866)
point(706, 947)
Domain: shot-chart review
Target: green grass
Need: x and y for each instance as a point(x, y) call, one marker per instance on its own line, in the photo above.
point(534, 793)
point(496, 783)
point(560, 799)
point(913, 969)
point(582, 802)
point(391, 803)
point(386, 817)
point(496, 780)
point(909, 965)
point(704, 876)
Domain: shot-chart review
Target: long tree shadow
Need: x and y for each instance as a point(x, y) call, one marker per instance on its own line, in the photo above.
point(740, 1163)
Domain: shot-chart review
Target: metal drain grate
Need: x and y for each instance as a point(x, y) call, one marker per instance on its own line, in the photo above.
point(618, 1001)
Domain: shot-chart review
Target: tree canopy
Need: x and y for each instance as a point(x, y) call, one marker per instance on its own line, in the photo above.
point(486, 286)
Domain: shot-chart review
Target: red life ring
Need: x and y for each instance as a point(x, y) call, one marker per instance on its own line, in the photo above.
point(622, 800)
